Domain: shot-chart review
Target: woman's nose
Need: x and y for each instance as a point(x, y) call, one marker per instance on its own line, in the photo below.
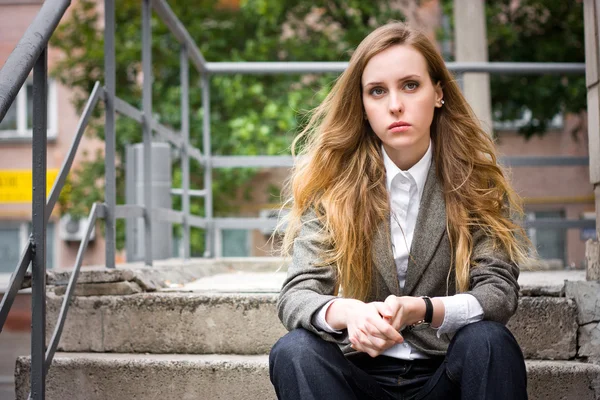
point(395, 104)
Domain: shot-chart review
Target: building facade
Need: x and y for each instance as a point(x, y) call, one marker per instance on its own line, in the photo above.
point(548, 191)
point(16, 158)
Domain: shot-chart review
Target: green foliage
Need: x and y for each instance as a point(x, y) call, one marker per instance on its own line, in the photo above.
point(535, 31)
point(260, 114)
point(250, 115)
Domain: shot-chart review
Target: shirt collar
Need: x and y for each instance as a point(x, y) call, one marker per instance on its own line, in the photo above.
point(418, 171)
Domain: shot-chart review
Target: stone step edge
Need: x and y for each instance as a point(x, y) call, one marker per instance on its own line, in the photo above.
point(173, 274)
point(231, 377)
point(241, 360)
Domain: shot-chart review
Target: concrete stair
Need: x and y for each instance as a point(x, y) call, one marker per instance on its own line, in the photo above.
point(205, 323)
point(100, 376)
point(209, 339)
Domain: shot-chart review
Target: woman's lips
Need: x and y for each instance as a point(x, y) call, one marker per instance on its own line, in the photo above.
point(399, 126)
point(402, 128)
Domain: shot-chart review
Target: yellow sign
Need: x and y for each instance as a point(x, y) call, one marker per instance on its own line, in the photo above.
point(15, 184)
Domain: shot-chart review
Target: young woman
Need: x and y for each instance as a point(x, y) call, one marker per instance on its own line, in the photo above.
point(399, 205)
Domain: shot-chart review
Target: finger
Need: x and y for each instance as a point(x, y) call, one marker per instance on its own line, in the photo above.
point(357, 345)
point(375, 343)
point(365, 340)
point(385, 330)
point(398, 320)
point(383, 309)
point(365, 346)
point(392, 302)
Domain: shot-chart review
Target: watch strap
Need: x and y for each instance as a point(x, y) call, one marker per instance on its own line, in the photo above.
point(428, 309)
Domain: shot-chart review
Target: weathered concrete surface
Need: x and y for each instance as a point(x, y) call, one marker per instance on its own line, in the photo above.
point(548, 283)
point(101, 289)
point(125, 376)
point(238, 282)
point(164, 273)
point(589, 341)
point(587, 297)
point(169, 323)
point(212, 377)
point(562, 380)
point(592, 255)
point(197, 323)
point(546, 327)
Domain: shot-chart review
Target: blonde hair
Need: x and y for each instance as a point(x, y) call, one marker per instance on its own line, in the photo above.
point(341, 177)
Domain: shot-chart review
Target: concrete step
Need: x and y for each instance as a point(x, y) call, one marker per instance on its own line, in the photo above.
point(92, 376)
point(246, 323)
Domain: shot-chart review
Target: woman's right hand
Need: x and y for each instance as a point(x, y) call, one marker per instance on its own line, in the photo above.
point(369, 325)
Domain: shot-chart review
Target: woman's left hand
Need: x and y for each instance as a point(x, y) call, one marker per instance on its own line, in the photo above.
point(406, 310)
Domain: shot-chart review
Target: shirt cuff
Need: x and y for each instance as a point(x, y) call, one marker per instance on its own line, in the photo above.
point(319, 321)
point(460, 310)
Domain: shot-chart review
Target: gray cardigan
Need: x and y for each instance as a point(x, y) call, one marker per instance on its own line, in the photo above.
point(493, 282)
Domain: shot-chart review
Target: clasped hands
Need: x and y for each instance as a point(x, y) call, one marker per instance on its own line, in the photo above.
point(375, 327)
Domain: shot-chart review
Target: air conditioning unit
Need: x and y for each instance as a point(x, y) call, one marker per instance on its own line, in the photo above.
point(72, 229)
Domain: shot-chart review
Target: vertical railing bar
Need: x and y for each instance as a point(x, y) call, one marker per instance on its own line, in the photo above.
point(460, 80)
point(68, 161)
point(16, 280)
point(110, 192)
point(208, 202)
point(147, 127)
point(38, 209)
point(131, 223)
point(185, 160)
point(62, 316)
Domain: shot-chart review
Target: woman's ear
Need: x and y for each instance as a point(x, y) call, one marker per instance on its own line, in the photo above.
point(439, 95)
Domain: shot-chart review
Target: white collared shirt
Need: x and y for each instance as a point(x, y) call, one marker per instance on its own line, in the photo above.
point(406, 189)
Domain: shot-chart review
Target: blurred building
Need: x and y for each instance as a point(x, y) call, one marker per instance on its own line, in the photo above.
point(16, 163)
point(548, 191)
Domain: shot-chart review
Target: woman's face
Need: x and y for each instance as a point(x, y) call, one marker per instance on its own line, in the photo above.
point(399, 100)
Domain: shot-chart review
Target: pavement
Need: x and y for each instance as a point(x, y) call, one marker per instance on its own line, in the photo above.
point(270, 282)
point(12, 345)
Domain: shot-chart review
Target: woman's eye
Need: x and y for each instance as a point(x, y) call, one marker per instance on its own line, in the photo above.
point(411, 86)
point(377, 91)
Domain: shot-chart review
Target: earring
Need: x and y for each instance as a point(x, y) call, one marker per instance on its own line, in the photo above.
point(443, 101)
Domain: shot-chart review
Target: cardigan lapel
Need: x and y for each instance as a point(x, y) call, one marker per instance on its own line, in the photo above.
point(429, 229)
point(383, 258)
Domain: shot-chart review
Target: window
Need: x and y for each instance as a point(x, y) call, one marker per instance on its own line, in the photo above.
point(18, 122)
point(13, 238)
point(556, 123)
point(233, 243)
point(549, 242)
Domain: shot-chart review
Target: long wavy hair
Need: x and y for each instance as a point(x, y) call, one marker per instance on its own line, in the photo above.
point(340, 178)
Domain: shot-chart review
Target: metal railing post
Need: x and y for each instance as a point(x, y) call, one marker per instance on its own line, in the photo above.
point(110, 192)
point(208, 202)
point(147, 127)
point(185, 160)
point(38, 262)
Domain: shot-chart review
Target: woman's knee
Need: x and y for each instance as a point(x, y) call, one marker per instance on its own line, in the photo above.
point(484, 335)
point(486, 349)
point(298, 346)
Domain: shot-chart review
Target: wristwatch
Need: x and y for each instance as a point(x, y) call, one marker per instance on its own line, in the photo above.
point(426, 322)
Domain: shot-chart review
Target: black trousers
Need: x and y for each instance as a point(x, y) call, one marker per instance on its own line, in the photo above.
point(483, 362)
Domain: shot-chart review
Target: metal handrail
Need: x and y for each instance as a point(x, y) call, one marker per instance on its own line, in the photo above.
point(309, 67)
point(16, 280)
point(207, 69)
point(62, 316)
point(18, 276)
point(19, 64)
